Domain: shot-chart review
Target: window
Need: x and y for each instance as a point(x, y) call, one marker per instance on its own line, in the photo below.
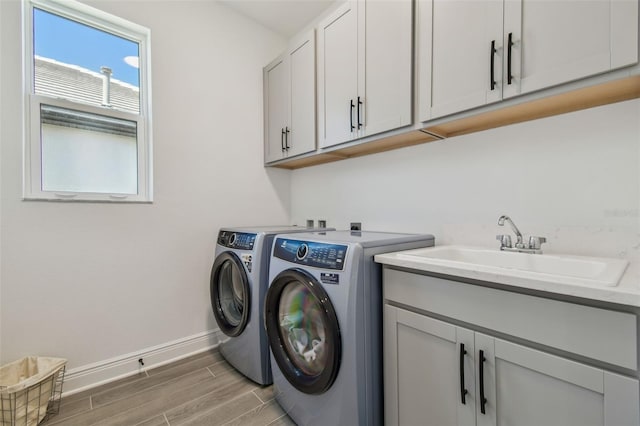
point(88, 105)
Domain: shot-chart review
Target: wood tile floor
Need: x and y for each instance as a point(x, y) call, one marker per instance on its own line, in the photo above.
point(200, 390)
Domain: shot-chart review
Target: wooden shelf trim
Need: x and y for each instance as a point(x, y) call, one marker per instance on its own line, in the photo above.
point(588, 97)
point(414, 137)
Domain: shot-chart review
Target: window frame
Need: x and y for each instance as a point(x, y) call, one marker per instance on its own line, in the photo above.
point(32, 176)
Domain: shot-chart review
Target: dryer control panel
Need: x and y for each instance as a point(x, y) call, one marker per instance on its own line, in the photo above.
point(309, 253)
point(237, 240)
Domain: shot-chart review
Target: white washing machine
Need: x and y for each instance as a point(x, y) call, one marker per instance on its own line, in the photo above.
point(323, 315)
point(239, 280)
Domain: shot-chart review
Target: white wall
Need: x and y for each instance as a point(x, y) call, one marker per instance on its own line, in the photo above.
point(573, 178)
point(91, 281)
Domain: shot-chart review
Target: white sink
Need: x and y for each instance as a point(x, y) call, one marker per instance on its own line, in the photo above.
point(563, 269)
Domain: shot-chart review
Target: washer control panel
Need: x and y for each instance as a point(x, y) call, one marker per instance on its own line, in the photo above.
point(309, 253)
point(237, 240)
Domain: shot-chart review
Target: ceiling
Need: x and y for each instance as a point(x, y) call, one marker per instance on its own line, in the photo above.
point(285, 17)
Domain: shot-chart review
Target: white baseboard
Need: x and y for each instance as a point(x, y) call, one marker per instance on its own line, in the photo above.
point(99, 373)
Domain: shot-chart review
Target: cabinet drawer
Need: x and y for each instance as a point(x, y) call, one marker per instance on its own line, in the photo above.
point(600, 334)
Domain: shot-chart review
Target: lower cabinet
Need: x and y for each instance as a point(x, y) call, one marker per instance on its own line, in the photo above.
point(437, 373)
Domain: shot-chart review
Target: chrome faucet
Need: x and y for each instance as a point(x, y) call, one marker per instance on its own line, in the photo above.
point(532, 246)
point(502, 219)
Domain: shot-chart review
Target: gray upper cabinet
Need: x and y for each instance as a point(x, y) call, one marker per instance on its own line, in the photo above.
point(454, 44)
point(553, 42)
point(364, 70)
point(470, 56)
point(382, 80)
point(289, 101)
point(338, 76)
point(276, 95)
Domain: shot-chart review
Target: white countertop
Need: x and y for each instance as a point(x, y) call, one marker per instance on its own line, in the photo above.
point(627, 292)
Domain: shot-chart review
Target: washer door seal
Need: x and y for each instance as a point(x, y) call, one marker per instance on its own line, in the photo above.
point(230, 294)
point(303, 331)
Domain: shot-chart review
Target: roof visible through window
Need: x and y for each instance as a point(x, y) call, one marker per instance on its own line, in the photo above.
point(84, 64)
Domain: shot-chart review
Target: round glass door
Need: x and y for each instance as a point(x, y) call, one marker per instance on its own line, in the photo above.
point(303, 331)
point(230, 294)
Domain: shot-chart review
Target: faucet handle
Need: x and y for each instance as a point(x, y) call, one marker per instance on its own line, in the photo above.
point(505, 241)
point(536, 242)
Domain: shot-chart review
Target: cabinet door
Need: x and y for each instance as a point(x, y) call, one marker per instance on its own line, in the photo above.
point(385, 90)
point(276, 92)
point(523, 386)
point(456, 37)
point(559, 41)
point(423, 371)
point(337, 75)
point(302, 112)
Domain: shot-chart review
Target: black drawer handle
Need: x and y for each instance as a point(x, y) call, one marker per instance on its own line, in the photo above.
point(491, 59)
point(282, 140)
point(483, 400)
point(359, 122)
point(352, 106)
point(286, 138)
point(463, 391)
point(510, 45)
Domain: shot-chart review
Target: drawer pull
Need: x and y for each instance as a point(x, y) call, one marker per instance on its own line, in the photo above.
point(352, 106)
point(282, 140)
point(491, 57)
point(463, 391)
point(483, 400)
point(510, 45)
point(286, 138)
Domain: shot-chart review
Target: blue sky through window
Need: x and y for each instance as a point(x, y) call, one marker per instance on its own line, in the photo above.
point(73, 43)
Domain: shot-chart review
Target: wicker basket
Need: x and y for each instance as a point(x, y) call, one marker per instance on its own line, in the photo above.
point(30, 389)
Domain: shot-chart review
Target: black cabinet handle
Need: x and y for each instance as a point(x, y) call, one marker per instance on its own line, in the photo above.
point(359, 122)
point(463, 391)
point(282, 139)
point(483, 400)
point(352, 106)
point(491, 57)
point(286, 138)
point(510, 45)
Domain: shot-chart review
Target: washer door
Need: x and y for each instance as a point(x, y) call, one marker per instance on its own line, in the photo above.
point(230, 298)
point(303, 331)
